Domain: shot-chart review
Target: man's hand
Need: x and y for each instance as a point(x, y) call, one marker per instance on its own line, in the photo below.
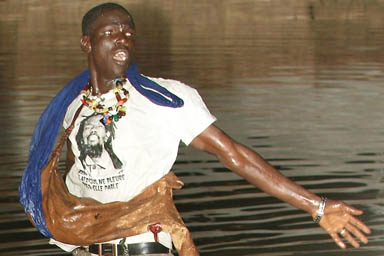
point(340, 222)
point(248, 164)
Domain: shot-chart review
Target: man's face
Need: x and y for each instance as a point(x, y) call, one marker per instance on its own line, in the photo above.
point(112, 44)
point(94, 132)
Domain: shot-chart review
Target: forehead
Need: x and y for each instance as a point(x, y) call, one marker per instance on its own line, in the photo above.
point(112, 17)
point(94, 120)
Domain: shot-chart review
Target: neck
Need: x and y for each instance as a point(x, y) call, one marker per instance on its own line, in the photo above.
point(99, 88)
point(101, 85)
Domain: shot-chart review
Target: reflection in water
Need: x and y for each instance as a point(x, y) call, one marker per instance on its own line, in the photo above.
point(301, 80)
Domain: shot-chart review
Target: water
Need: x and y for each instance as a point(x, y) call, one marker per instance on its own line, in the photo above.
point(300, 82)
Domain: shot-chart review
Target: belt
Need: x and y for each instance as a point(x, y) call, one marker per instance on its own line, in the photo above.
point(129, 249)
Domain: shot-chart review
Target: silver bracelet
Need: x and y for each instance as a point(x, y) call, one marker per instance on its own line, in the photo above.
point(320, 210)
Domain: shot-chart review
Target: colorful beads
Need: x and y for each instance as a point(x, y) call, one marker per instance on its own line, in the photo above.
point(110, 114)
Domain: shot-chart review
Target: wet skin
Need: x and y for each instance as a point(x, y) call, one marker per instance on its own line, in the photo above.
point(110, 48)
point(250, 165)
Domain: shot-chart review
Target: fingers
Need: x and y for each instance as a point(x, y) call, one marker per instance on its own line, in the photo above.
point(350, 233)
point(360, 225)
point(356, 232)
point(352, 210)
point(340, 222)
point(347, 235)
point(338, 240)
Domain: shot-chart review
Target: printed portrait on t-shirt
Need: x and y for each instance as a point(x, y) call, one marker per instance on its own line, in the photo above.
point(94, 141)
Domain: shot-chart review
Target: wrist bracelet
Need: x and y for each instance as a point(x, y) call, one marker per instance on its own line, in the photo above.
point(320, 210)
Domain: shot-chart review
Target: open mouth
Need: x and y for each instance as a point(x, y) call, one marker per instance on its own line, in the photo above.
point(93, 139)
point(121, 56)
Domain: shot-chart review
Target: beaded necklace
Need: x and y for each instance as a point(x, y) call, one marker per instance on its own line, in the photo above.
point(96, 103)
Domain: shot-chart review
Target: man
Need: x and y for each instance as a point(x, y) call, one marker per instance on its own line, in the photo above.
point(147, 135)
point(94, 140)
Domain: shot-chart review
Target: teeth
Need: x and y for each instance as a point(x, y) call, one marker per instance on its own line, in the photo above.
point(122, 56)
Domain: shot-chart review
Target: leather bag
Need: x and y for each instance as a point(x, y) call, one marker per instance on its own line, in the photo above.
point(84, 221)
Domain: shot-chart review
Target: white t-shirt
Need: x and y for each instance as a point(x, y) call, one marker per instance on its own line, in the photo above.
point(142, 147)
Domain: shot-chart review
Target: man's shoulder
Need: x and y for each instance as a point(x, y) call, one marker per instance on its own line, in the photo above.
point(70, 112)
point(173, 85)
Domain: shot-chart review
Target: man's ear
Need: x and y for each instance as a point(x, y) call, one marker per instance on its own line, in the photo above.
point(85, 44)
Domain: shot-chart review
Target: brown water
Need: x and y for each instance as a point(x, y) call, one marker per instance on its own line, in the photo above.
point(301, 82)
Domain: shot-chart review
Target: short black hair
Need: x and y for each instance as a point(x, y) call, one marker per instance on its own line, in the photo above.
point(91, 16)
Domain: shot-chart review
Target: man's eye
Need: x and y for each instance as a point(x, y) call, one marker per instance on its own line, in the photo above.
point(107, 33)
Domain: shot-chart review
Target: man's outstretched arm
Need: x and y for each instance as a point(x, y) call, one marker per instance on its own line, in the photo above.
point(250, 165)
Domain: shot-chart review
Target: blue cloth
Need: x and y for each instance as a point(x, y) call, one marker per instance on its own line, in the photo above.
point(48, 126)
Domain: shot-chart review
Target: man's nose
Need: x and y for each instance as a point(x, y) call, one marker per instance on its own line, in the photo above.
point(121, 38)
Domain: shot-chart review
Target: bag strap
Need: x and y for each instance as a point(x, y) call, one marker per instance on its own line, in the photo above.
point(67, 132)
